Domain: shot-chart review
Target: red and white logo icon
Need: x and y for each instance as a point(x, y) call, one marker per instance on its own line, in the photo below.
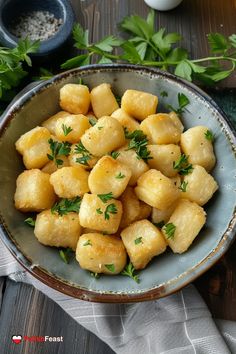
point(16, 339)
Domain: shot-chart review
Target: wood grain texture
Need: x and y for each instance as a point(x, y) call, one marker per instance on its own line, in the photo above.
point(26, 311)
point(193, 19)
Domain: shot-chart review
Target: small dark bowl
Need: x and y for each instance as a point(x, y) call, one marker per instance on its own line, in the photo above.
point(10, 10)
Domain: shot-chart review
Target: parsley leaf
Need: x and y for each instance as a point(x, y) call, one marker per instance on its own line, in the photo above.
point(120, 176)
point(115, 154)
point(183, 101)
point(169, 230)
point(138, 240)
point(209, 136)
point(66, 130)
point(129, 272)
point(86, 156)
point(105, 197)
point(99, 211)
point(110, 209)
point(92, 121)
point(66, 254)
point(110, 267)
point(183, 186)
point(87, 243)
point(95, 275)
point(182, 165)
point(138, 142)
point(83, 160)
point(159, 224)
point(58, 149)
point(164, 94)
point(30, 222)
point(65, 206)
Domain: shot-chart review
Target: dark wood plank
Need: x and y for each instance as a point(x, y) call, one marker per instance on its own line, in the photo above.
point(192, 19)
point(26, 311)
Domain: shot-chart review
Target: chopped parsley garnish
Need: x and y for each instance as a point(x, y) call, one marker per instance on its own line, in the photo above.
point(105, 197)
point(115, 154)
point(100, 127)
point(86, 156)
point(66, 130)
point(87, 243)
point(183, 186)
point(209, 136)
point(95, 275)
point(169, 230)
point(110, 209)
point(58, 149)
point(129, 272)
point(138, 240)
point(164, 94)
point(159, 224)
point(118, 99)
point(120, 176)
point(138, 142)
point(99, 211)
point(65, 206)
point(183, 101)
point(182, 165)
point(92, 121)
point(110, 267)
point(66, 254)
point(30, 222)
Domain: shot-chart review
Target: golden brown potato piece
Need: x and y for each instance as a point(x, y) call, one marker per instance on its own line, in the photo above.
point(101, 253)
point(77, 122)
point(139, 104)
point(131, 207)
point(126, 120)
point(103, 101)
point(145, 211)
point(109, 175)
point(130, 159)
point(70, 182)
point(177, 122)
point(156, 190)
point(75, 98)
point(163, 158)
point(200, 186)
point(34, 191)
point(51, 167)
point(75, 158)
point(160, 129)
point(50, 123)
point(105, 136)
point(160, 216)
point(55, 230)
point(198, 148)
point(143, 241)
point(97, 215)
point(34, 147)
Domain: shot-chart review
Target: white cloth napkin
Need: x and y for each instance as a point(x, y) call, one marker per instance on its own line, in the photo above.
point(177, 324)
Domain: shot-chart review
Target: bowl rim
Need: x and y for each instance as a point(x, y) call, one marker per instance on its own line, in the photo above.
point(49, 45)
point(159, 291)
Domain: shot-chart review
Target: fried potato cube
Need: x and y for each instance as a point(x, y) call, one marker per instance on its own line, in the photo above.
point(34, 191)
point(50, 123)
point(101, 253)
point(163, 158)
point(139, 104)
point(126, 120)
point(51, 167)
point(86, 163)
point(34, 147)
point(188, 219)
point(131, 207)
point(56, 230)
point(130, 159)
point(177, 122)
point(160, 216)
point(75, 98)
point(105, 136)
point(77, 122)
point(200, 186)
point(198, 148)
point(103, 101)
point(145, 211)
point(100, 216)
point(70, 182)
point(176, 180)
point(109, 175)
point(143, 241)
point(160, 129)
point(156, 190)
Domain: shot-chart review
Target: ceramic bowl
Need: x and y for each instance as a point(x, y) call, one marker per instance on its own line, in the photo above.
point(11, 9)
point(166, 273)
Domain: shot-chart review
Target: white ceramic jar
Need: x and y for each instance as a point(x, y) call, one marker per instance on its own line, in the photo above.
point(163, 5)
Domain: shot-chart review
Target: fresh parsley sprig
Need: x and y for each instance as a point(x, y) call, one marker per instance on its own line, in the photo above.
point(58, 149)
point(86, 156)
point(65, 206)
point(66, 130)
point(209, 136)
point(169, 230)
point(30, 222)
point(110, 209)
point(105, 197)
point(146, 46)
point(138, 142)
point(182, 165)
point(129, 271)
point(183, 101)
point(66, 254)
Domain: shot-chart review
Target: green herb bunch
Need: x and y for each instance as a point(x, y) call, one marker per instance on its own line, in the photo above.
point(146, 46)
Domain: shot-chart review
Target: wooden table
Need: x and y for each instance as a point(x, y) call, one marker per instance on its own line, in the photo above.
point(23, 310)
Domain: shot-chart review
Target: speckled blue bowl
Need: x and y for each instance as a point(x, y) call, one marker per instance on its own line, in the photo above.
point(166, 273)
point(11, 9)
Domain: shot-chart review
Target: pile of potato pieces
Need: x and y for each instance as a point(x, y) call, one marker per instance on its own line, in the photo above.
point(144, 190)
